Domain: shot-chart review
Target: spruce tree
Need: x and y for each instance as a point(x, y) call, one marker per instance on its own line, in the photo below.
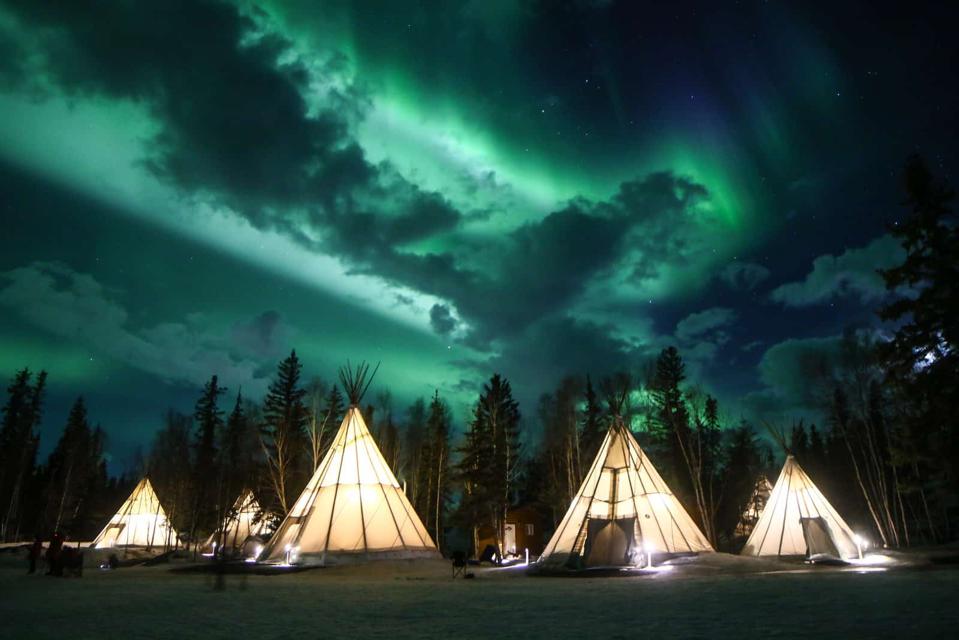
point(207, 480)
point(435, 459)
point(922, 359)
point(19, 441)
point(592, 427)
point(491, 457)
point(283, 431)
point(70, 469)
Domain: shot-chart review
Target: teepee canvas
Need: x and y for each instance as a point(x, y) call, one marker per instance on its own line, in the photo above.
point(352, 509)
point(799, 521)
point(140, 522)
point(623, 509)
point(754, 508)
point(243, 521)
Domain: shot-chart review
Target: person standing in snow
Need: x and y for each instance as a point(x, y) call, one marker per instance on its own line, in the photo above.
point(54, 568)
point(33, 555)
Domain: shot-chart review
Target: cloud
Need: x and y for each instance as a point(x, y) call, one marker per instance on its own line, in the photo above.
point(702, 323)
point(265, 336)
point(792, 374)
point(850, 274)
point(76, 306)
point(263, 129)
point(744, 275)
point(442, 320)
point(559, 346)
point(701, 334)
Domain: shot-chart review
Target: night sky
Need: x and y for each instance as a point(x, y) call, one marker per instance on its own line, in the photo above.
point(453, 189)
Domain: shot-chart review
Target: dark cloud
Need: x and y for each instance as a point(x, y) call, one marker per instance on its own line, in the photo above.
point(234, 127)
point(559, 346)
point(265, 336)
point(794, 375)
point(441, 319)
point(234, 122)
point(744, 275)
point(76, 306)
point(701, 334)
point(703, 323)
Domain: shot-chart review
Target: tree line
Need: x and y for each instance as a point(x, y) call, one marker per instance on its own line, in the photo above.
point(884, 451)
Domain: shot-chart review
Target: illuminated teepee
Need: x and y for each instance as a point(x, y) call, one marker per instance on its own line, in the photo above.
point(140, 522)
point(246, 519)
point(352, 509)
point(799, 521)
point(622, 512)
point(754, 508)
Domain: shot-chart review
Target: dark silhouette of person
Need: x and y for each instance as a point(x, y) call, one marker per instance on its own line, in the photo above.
point(33, 555)
point(54, 555)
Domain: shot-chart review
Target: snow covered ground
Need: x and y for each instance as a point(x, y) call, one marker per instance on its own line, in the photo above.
point(715, 596)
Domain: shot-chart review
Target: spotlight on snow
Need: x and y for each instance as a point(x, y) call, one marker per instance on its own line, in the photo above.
point(648, 548)
point(861, 543)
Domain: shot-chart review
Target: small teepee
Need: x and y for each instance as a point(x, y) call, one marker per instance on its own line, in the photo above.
point(754, 508)
point(245, 520)
point(798, 521)
point(140, 522)
point(622, 512)
point(352, 509)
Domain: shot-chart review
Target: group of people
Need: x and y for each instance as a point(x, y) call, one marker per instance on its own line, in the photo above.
point(59, 557)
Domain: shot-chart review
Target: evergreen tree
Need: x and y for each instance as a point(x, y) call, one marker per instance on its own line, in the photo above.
point(490, 458)
point(922, 359)
point(19, 441)
point(71, 471)
point(670, 419)
point(435, 467)
point(592, 426)
point(283, 431)
point(207, 479)
point(744, 464)
point(691, 450)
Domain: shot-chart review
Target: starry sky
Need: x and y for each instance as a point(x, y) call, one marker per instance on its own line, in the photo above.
point(452, 189)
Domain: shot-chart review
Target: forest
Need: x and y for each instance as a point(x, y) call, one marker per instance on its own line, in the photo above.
point(882, 447)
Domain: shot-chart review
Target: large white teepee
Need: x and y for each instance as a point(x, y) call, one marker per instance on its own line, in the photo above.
point(622, 510)
point(352, 509)
point(798, 521)
point(754, 508)
point(244, 520)
point(140, 522)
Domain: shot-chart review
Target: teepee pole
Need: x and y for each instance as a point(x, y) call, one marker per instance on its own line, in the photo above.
point(601, 461)
point(339, 473)
point(399, 532)
point(782, 531)
point(359, 486)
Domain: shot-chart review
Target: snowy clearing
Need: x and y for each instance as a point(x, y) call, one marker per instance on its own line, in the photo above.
point(715, 596)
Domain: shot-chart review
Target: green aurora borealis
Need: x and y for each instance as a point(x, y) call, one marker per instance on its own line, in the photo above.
point(450, 188)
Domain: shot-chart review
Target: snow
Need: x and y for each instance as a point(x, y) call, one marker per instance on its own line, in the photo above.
point(715, 595)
